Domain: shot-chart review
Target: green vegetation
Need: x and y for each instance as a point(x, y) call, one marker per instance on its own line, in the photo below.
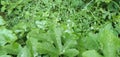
point(59, 28)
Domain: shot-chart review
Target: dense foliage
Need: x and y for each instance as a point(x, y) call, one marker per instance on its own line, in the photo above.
point(59, 28)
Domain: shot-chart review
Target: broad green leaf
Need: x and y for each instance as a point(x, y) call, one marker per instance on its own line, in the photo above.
point(45, 47)
point(58, 42)
point(32, 45)
point(91, 53)
point(5, 56)
point(2, 51)
point(6, 36)
point(71, 52)
point(91, 41)
point(69, 43)
point(25, 52)
point(40, 35)
point(109, 41)
point(20, 27)
point(12, 48)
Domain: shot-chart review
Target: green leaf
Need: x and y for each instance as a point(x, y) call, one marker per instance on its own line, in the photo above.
point(91, 53)
point(5, 56)
point(58, 34)
point(107, 1)
point(41, 24)
point(6, 36)
point(40, 35)
point(25, 52)
point(12, 48)
point(20, 27)
point(69, 43)
point(91, 41)
point(32, 45)
point(2, 22)
point(109, 41)
point(71, 52)
point(43, 48)
point(3, 9)
point(2, 51)
point(3, 2)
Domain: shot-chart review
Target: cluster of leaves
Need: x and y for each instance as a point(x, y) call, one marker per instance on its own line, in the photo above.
point(59, 28)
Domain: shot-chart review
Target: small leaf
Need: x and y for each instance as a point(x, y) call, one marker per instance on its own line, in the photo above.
point(107, 1)
point(3, 9)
